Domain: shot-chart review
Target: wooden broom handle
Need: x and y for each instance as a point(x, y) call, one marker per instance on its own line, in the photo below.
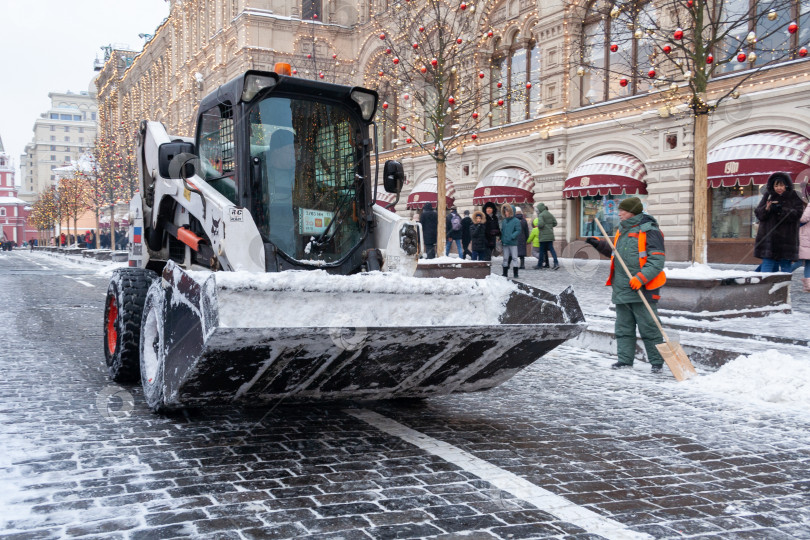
point(626, 271)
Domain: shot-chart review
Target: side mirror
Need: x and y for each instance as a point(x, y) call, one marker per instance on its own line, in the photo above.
point(169, 166)
point(393, 176)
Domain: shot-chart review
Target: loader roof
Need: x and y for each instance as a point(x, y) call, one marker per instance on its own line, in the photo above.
point(232, 90)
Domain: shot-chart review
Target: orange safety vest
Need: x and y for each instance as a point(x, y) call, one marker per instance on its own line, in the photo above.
point(654, 283)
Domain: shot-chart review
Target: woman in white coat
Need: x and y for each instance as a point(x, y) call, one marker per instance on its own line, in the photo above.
point(804, 237)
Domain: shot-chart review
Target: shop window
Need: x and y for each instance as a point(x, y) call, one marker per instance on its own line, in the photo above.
point(733, 212)
point(605, 208)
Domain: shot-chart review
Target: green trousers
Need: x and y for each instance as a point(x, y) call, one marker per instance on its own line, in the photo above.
point(628, 316)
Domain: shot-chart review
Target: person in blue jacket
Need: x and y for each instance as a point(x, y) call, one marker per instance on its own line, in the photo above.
point(510, 232)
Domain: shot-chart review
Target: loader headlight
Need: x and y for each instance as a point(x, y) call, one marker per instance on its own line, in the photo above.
point(255, 84)
point(367, 102)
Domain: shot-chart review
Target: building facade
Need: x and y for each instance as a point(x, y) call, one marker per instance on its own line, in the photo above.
point(61, 134)
point(579, 141)
point(13, 210)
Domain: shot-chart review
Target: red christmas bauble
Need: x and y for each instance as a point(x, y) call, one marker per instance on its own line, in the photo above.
point(423, 69)
point(473, 136)
point(320, 75)
point(475, 115)
point(421, 28)
point(622, 82)
point(334, 56)
point(792, 27)
point(459, 41)
point(651, 73)
point(309, 56)
point(463, 6)
point(500, 102)
point(709, 59)
point(451, 100)
point(382, 36)
point(380, 73)
point(678, 34)
point(396, 60)
point(385, 104)
point(481, 75)
point(614, 47)
point(295, 72)
point(489, 34)
point(500, 84)
point(689, 3)
point(409, 140)
point(402, 128)
point(415, 45)
point(387, 51)
point(434, 62)
point(667, 49)
point(528, 85)
point(741, 57)
point(803, 52)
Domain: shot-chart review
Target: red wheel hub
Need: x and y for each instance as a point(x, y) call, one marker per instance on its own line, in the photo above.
point(112, 331)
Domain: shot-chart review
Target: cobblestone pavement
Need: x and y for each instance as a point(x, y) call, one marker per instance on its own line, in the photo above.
point(84, 458)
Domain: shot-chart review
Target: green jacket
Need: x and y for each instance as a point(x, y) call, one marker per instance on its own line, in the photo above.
point(546, 223)
point(534, 236)
point(627, 247)
point(510, 230)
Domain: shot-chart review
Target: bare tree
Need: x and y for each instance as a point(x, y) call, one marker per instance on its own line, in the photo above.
point(629, 47)
point(429, 82)
point(72, 194)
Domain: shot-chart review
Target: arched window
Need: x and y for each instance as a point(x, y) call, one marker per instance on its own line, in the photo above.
point(612, 74)
point(387, 117)
point(768, 21)
point(510, 74)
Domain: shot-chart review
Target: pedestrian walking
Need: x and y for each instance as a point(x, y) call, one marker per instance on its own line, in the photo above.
point(522, 238)
point(546, 223)
point(466, 222)
point(493, 228)
point(430, 224)
point(640, 243)
point(534, 240)
point(478, 237)
point(510, 232)
point(453, 232)
point(804, 237)
point(778, 212)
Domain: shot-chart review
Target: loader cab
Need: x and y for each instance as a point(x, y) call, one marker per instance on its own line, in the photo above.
point(295, 153)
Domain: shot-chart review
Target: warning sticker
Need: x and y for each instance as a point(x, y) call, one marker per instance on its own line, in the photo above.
point(313, 221)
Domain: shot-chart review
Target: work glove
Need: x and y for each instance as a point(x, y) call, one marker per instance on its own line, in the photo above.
point(635, 283)
point(592, 240)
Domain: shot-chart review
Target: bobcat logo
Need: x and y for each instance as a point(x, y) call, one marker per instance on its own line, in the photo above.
point(215, 226)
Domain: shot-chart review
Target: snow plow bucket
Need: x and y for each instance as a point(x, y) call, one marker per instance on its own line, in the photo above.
point(310, 336)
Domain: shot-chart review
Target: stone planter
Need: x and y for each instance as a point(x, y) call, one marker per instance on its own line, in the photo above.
point(432, 268)
point(723, 297)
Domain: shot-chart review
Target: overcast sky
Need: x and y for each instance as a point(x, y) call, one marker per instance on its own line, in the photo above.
point(50, 45)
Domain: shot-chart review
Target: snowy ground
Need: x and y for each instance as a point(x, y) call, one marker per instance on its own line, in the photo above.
point(724, 455)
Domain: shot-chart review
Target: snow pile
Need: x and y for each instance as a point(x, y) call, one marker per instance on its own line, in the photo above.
point(318, 299)
point(765, 377)
point(704, 271)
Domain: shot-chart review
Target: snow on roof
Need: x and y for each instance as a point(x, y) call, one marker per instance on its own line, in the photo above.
point(11, 200)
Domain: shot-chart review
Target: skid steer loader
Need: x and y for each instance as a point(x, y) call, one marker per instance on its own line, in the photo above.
point(261, 269)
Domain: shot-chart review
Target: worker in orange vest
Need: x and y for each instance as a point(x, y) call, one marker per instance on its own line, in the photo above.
point(641, 245)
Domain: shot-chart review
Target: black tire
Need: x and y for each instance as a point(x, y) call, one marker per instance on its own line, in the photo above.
point(153, 347)
point(123, 309)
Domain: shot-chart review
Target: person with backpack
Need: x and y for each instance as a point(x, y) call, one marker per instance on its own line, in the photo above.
point(453, 226)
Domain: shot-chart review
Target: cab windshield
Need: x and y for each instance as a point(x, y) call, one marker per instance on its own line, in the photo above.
point(307, 198)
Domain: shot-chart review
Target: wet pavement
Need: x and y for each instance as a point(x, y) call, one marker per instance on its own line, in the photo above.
point(630, 453)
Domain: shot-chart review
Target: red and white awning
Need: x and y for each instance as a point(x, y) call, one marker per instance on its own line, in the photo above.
point(753, 158)
point(612, 174)
point(510, 185)
point(384, 198)
point(425, 192)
